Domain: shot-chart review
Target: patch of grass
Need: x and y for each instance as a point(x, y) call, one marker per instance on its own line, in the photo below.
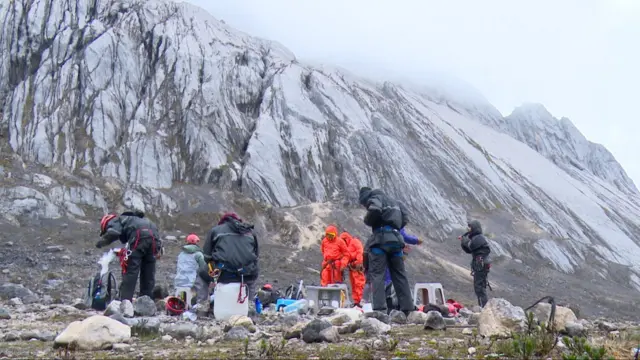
point(580, 349)
point(143, 332)
point(68, 318)
point(333, 352)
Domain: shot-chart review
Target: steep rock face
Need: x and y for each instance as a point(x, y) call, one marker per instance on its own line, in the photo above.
point(561, 142)
point(134, 97)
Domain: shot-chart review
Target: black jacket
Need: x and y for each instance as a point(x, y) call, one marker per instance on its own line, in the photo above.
point(134, 229)
point(474, 242)
point(382, 210)
point(385, 216)
point(233, 247)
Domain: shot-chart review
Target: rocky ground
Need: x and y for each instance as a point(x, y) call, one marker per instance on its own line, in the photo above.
point(35, 327)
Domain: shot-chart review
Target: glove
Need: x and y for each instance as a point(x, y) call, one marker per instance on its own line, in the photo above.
point(101, 243)
point(420, 241)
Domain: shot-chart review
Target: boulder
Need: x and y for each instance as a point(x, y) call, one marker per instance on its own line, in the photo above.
point(563, 315)
point(397, 317)
point(372, 326)
point(10, 291)
point(417, 317)
point(311, 331)
point(94, 333)
point(434, 321)
point(500, 318)
point(144, 306)
point(126, 308)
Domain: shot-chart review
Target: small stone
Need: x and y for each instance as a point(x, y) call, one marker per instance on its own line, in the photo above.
point(112, 308)
point(121, 347)
point(16, 301)
point(330, 335)
point(6, 271)
point(66, 257)
point(170, 238)
point(417, 317)
point(471, 350)
point(4, 314)
point(326, 310)
point(166, 338)
point(373, 326)
point(9, 243)
point(54, 248)
point(467, 331)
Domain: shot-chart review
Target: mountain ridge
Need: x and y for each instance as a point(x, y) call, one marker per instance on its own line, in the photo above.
point(131, 104)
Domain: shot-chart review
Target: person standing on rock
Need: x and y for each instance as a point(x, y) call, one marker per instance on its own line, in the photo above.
point(356, 266)
point(143, 247)
point(384, 248)
point(232, 247)
point(335, 257)
point(190, 260)
point(473, 242)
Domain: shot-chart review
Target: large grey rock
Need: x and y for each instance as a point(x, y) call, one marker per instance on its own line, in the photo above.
point(397, 317)
point(144, 306)
point(434, 321)
point(500, 318)
point(94, 333)
point(113, 308)
point(237, 333)
point(10, 291)
point(180, 330)
point(311, 332)
point(330, 335)
point(378, 315)
point(563, 315)
point(417, 317)
point(372, 326)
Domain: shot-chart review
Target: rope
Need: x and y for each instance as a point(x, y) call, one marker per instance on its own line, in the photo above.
point(552, 315)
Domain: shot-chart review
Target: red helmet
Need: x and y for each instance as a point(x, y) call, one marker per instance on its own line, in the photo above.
point(105, 221)
point(267, 287)
point(174, 305)
point(192, 239)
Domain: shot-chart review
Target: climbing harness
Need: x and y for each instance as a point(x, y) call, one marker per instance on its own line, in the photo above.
point(123, 255)
point(241, 299)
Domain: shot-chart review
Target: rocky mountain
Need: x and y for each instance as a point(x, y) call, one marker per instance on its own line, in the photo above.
point(160, 106)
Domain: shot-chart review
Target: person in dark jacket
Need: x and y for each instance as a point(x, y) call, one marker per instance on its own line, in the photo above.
point(142, 240)
point(473, 242)
point(232, 247)
point(384, 248)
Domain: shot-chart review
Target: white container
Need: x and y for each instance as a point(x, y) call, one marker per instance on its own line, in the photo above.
point(226, 301)
point(296, 306)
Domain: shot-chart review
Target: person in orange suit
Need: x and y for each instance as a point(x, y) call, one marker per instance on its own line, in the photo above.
point(356, 267)
point(335, 257)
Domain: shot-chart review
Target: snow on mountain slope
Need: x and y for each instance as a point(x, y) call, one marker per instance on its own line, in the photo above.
point(564, 144)
point(154, 93)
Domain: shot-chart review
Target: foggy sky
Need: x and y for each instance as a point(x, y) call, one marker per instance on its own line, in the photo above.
point(579, 58)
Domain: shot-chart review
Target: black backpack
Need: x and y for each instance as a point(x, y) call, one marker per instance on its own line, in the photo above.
point(101, 290)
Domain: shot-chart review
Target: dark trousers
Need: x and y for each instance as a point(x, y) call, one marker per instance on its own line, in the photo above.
point(378, 261)
point(480, 282)
point(141, 261)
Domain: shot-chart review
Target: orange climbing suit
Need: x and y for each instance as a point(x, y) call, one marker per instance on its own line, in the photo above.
point(335, 257)
point(356, 266)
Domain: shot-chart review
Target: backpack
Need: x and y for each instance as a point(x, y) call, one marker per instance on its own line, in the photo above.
point(100, 291)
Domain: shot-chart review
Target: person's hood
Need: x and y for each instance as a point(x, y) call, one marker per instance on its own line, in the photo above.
point(346, 237)
point(331, 229)
point(475, 227)
point(366, 193)
point(239, 227)
point(229, 216)
point(191, 248)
